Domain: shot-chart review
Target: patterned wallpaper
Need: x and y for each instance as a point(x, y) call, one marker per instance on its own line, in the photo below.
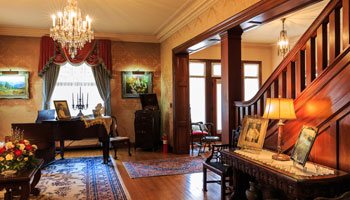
point(130, 56)
point(22, 53)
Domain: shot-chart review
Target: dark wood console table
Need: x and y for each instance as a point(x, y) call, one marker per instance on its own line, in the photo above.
point(278, 184)
point(22, 183)
point(75, 130)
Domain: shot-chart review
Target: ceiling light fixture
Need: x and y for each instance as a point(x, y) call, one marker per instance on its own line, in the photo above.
point(283, 42)
point(70, 30)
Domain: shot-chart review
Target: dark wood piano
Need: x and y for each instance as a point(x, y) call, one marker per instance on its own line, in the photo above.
point(74, 129)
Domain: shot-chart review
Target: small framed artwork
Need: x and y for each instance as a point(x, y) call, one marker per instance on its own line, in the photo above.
point(253, 133)
point(135, 83)
point(14, 85)
point(303, 145)
point(62, 109)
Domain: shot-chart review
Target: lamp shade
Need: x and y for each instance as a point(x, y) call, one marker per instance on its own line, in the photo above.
point(279, 108)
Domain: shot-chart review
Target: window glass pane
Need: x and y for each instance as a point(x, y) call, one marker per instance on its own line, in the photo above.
point(218, 107)
point(251, 69)
point(197, 69)
point(216, 69)
point(197, 99)
point(251, 87)
point(70, 80)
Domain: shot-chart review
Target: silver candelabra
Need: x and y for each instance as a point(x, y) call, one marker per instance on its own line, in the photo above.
point(80, 102)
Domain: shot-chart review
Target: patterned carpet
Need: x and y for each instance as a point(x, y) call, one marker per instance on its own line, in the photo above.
point(163, 167)
point(81, 178)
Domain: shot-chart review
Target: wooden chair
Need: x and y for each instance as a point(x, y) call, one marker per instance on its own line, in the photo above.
point(215, 164)
point(116, 140)
point(208, 139)
point(196, 135)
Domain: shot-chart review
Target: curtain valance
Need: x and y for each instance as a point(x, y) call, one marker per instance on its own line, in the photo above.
point(98, 52)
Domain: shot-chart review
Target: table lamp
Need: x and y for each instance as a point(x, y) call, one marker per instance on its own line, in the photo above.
point(281, 109)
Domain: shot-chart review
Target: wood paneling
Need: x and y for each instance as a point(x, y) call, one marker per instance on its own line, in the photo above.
point(324, 150)
point(344, 142)
point(181, 103)
point(346, 23)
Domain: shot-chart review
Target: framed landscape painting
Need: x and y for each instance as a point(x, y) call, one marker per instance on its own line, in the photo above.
point(135, 83)
point(14, 84)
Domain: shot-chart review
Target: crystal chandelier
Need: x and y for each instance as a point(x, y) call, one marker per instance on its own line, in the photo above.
point(70, 30)
point(283, 43)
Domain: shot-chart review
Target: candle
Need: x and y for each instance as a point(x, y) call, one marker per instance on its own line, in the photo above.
point(53, 20)
point(82, 99)
point(60, 18)
point(80, 93)
point(77, 99)
point(72, 99)
point(87, 99)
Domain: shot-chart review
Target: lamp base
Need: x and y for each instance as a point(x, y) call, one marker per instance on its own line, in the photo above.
point(280, 157)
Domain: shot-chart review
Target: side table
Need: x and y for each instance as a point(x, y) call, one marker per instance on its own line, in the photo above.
point(22, 183)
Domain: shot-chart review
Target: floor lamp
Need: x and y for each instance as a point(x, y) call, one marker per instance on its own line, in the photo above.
point(280, 109)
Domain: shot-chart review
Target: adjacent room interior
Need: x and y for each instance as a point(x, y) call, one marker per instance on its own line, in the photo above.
point(175, 99)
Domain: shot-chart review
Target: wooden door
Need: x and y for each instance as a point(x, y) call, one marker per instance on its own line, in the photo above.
point(181, 103)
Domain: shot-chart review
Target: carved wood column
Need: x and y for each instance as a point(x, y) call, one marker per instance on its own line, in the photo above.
point(231, 77)
point(181, 103)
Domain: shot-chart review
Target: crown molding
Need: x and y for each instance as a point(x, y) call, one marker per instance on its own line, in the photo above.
point(37, 32)
point(184, 15)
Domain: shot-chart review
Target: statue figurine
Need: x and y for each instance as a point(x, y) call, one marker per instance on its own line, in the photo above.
point(99, 110)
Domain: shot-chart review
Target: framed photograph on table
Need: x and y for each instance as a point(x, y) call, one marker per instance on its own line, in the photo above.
point(14, 84)
point(62, 109)
point(303, 145)
point(253, 133)
point(135, 83)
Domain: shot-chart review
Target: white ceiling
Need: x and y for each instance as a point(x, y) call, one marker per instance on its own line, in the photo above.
point(296, 24)
point(116, 16)
point(137, 20)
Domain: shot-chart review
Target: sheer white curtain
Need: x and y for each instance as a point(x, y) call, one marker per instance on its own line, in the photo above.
point(70, 80)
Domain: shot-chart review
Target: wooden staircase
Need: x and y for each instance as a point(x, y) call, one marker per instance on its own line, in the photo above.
point(316, 74)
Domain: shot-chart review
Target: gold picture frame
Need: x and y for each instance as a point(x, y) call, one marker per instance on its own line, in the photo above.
point(253, 132)
point(62, 109)
point(303, 145)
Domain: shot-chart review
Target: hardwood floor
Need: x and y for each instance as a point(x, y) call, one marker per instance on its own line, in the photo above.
point(175, 187)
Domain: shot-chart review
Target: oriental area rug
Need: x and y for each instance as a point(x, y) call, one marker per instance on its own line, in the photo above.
point(164, 167)
point(80, 178)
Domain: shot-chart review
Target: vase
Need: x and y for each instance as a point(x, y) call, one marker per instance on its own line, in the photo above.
point(9, 172)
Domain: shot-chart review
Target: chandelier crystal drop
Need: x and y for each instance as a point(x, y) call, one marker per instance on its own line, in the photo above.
point(283, 42)
point(70, 30)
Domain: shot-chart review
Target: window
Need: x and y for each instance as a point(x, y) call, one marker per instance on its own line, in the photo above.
point(70, 80)
point(252, 78)
point(216, 69)
point(197, 91)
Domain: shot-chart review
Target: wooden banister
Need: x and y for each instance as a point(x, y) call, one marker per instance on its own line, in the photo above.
point(314, 51)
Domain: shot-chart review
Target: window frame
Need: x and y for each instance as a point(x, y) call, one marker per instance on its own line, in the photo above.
point(210, 115)
point(251, 77)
